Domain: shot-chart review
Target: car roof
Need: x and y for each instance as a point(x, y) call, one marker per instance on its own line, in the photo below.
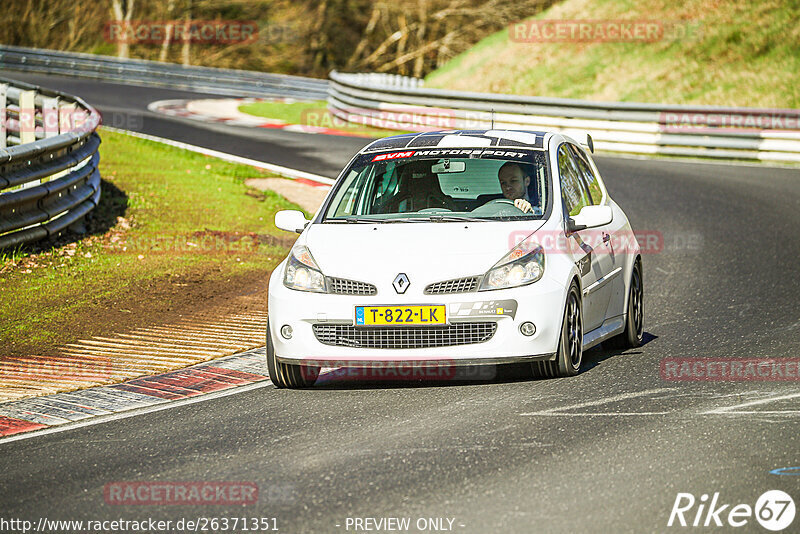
point(461, 138)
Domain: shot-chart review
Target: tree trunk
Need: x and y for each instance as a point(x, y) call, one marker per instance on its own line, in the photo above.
point(122, 11)
point(162, 56)
point(187, 37)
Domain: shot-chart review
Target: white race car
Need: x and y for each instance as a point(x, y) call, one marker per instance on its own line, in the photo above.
point(457, 248)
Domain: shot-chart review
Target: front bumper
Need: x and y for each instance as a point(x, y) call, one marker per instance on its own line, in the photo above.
point(540, 303)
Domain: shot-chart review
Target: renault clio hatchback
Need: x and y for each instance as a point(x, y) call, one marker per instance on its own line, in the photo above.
point(457, 248)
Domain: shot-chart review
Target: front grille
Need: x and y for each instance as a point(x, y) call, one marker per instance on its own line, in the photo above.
point(459, 285)
point(342, 286)
point(404, 337)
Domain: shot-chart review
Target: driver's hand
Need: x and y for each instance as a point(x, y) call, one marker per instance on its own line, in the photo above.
point(523, 205)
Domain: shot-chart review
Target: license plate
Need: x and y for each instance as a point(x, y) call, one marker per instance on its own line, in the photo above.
point(400, 315)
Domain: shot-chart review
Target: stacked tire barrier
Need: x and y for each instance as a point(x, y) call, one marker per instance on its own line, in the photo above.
point(49, 177)
point(401, 103)
point(228, 82)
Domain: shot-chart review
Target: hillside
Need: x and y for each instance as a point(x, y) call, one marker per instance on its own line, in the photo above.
point(736, 53)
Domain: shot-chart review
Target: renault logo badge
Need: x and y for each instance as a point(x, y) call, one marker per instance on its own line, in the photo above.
point(401, 283)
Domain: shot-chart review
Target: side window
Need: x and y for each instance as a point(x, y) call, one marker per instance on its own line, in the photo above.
point(347, 196)
point(572, 189)
point(590, 180)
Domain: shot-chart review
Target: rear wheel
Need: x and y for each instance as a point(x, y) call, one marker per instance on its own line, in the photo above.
point(287, 375)
point(634, 321)
point(570, 346)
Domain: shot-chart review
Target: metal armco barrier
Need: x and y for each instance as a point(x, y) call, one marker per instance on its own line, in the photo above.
point(401, 103)
point(226, 82)
point(49, 178)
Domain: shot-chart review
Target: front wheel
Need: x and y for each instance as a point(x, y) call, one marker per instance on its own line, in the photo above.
point(287, 375)
point(632, 336)
point(570, 345)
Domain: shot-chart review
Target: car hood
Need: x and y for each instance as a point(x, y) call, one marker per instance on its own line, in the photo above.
point(426, 252)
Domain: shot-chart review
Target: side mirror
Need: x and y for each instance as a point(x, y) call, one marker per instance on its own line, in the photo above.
point(291, 221)
point(590, 217)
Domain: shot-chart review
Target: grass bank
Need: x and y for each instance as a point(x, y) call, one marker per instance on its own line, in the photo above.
point(174, 230)
point(713, 52)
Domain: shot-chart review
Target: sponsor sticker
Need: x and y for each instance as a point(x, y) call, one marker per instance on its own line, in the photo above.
point(393, 155)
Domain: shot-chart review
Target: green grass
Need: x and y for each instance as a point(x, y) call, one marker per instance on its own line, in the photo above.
point(170, 195)
point(311, 113)
point(738, 54)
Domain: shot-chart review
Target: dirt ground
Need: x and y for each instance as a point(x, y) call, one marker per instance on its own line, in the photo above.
point(197, 299)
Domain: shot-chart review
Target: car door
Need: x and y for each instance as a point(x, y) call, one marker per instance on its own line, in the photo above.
point(615, 236)
point(586, 246)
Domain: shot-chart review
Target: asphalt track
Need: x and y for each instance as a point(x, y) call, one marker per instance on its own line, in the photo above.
point(606, 451)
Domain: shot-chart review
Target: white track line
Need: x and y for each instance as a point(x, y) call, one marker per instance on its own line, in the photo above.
point(734, 409)
point(756, 412)
point(595, 414)
point(614, 398)
point(136, 411)
point(277, 169)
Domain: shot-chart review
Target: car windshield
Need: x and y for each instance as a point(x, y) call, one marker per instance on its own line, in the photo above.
point(483, 184)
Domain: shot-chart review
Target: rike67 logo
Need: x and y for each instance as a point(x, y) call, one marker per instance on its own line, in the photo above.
point(774, 510)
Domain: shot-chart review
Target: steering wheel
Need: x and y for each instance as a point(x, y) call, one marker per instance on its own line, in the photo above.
point(498, 207)
point(500, 201)
point(434, 210)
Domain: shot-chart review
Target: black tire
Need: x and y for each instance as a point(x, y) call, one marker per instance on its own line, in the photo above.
point(287, 375)
point(570, 345)
point(631, 337)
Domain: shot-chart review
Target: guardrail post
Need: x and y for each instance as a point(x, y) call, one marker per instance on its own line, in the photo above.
point(27, 117)
point(50, 117)
point(66, 114)
point(3, 114)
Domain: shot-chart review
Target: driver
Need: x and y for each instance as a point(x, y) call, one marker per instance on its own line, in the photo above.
point(514, 183)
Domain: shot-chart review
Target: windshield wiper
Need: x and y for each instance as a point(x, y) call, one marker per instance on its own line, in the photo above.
point(352, 219)
point(406, 219)
point(453, 218)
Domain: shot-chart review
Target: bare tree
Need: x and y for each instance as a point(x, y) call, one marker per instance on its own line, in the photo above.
point(187, 35)
point(418, 38)
point(162, 56)
point(313, 36)
point(122, 11)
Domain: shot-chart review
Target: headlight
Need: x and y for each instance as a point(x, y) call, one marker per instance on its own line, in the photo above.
point(302, 272)
point(517, 268)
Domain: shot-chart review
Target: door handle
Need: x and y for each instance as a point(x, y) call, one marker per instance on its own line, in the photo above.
point(606, 237)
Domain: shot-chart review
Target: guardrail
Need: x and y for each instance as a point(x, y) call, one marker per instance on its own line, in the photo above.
point(228, 82)
point(400, 103)
point(49, 177)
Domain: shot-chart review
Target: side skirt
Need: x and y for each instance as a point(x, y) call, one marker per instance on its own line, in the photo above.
point(610, 328)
